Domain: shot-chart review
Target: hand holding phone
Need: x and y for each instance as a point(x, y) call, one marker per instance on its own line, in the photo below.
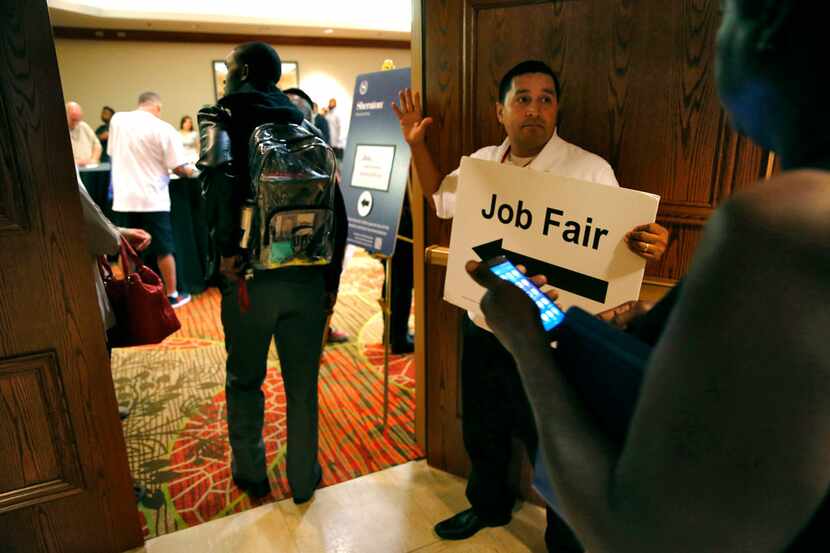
point(549, 313)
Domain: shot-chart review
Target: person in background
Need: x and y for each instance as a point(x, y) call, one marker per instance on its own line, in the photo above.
point(190, 139)
point(86, 148)
point(144, 149)
point(495, 405)
point(103, 131)
point(104, 238)
point(728, 449)
point(401, 341)
point(321, 123)
point(338, 138)
point(303, 102)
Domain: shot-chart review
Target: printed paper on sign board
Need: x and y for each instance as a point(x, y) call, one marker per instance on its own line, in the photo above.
point(373, 167)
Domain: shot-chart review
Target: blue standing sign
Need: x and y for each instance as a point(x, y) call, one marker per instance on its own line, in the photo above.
point(376, 162)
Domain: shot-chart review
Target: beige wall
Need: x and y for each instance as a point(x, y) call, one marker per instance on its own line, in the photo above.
point(98, 73)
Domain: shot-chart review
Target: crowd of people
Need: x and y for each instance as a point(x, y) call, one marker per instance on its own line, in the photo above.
point(144, 151)
point(727, 450)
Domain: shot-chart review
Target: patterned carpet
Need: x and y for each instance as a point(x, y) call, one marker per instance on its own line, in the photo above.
point(177, 436)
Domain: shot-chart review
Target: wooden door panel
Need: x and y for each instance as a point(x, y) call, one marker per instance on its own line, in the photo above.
point(443, 383)
point(35, 433)
point(64, 483)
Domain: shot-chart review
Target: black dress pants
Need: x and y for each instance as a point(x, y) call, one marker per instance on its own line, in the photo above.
point(495, 408)
point(402, 281)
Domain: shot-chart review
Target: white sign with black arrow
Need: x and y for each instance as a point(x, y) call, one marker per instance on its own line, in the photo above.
point(569, 230)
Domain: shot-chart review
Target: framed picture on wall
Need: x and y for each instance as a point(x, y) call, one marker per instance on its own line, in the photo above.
point(290, 76)
point(219, 73)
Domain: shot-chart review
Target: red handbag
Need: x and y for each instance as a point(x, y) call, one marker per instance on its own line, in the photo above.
point(143, 314)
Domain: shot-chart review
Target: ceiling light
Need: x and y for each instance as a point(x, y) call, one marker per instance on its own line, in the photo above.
point(364, 15)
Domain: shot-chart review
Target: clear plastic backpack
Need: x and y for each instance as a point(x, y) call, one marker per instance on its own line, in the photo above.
point(293, 179)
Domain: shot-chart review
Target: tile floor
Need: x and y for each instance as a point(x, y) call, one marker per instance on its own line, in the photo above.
point(392, 511)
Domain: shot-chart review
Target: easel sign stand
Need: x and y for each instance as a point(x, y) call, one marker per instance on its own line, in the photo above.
point(386, 308)
point(375, 172)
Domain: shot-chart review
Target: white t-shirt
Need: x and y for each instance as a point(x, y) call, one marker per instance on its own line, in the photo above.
point(143, 150)
point(558, 156)
point(190, 142)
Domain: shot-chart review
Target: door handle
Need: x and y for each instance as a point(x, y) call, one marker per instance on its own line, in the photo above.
point(436, 255)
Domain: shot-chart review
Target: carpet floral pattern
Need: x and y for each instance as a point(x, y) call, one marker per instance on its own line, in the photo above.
point(177, 435)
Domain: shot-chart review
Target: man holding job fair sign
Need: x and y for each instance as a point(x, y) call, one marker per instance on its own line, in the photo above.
point(544, 202)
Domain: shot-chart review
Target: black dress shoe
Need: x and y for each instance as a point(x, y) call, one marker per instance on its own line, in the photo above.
point(255, 490)
point(463, 525)
point(407, 345)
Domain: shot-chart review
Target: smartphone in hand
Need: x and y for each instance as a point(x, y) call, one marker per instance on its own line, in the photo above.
point(549, 314)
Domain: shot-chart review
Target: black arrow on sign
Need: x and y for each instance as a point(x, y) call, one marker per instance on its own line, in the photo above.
point(559, 277)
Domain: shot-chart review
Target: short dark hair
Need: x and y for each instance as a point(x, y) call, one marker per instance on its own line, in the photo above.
point(107, 108)
point(523, 68)
point(301, 93)
point(264, 64)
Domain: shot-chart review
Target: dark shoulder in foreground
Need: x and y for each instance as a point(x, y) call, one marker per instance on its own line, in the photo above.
point(790, 212)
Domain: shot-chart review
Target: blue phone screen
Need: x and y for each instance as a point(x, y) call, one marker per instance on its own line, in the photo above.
point(549, 313)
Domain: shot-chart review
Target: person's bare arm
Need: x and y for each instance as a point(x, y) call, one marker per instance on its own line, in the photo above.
point(729, 448)
point(413, 127)
point(184, 171)
point(96, 152)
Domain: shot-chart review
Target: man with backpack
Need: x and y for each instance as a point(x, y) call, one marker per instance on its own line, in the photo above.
point(279, 224)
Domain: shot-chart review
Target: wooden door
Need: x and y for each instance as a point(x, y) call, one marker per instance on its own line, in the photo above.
point(638, 89)
point(64, 480)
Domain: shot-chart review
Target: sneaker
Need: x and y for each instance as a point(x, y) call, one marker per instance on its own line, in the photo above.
point(179, 300)
point(337, 337)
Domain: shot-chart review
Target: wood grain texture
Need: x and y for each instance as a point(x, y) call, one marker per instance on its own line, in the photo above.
point(37, 434)
point(26, 436)
point(444, 438)
point(442, 71)
point(12, 193)
point(418, 235)
point(49, 305)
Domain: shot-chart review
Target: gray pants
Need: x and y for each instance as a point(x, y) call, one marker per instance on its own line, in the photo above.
point(293, 312)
